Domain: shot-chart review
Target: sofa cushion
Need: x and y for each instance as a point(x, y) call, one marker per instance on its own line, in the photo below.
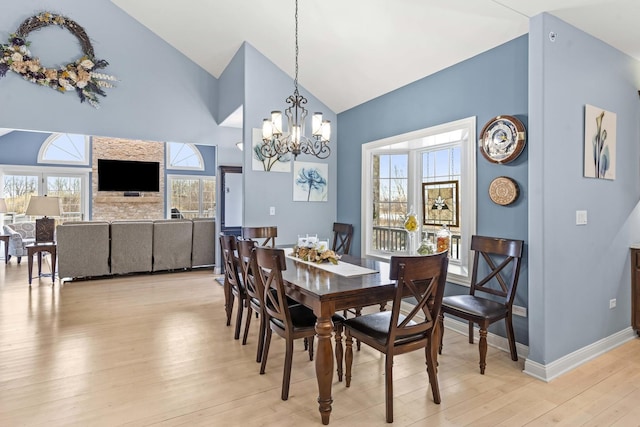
point(203, 249)
point(131, 246)
point(172, 244)
point(83, 249)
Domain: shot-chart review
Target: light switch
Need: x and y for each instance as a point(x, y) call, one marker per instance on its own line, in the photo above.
point(272, 210)
point(581, 217)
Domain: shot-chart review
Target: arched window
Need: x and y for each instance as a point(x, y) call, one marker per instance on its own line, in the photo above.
point(184, 157)
point(65, 148)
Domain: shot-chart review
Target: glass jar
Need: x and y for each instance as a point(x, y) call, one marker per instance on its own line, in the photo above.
point(443, 239)
point(411, 226)
point(427, 247)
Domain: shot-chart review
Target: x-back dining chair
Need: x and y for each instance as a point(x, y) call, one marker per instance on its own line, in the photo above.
point(234, 286)
point(501, 259)
point(254, 293)
point(342, 235)
point(393, 333)
point(290, 322)
point(269, 234)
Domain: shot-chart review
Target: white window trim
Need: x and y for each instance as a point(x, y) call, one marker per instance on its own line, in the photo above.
point(53, 137)
point(176, 176)
point(189, 168)
point(43, 171)
point(468, 197)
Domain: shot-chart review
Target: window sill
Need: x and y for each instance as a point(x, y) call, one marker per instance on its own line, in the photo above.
point(455, 272)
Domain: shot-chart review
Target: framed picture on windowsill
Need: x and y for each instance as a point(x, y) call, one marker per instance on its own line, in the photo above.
point(440, 203)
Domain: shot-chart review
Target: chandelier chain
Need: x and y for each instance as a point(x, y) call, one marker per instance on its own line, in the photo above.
point(278, 145)
point(295, 82)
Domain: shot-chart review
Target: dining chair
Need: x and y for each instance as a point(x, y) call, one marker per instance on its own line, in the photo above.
point(342, 235)
point(232, 281)
point(269, 234)
point(289, 322)
point(501, 260)
point(255, 298)
point(254, 294)
point(422, 278)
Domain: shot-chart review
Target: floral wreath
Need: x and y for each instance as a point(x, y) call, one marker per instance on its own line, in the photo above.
point(80, 75)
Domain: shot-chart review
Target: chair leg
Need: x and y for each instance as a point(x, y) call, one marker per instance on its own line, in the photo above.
point(483, 348)
point(19, 259)
point(511, 337)
point(432, 369)
point(338, 338)
point(358, 314)
point(229, 306)
point(236, 335)
point(471, 332)
point(310, 345)
point(388, 386)
point(263, 326)
point(286, 375)
point(441, 331)
point(265, 350)
point(348, 358)
point(247, 323)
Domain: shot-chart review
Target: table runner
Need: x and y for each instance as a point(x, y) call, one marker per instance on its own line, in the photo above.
point(342, 268)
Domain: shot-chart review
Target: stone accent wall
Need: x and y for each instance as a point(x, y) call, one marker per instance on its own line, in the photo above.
point(111, 205)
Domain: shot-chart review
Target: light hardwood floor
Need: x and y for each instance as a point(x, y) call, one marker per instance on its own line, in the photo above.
point(154, 350)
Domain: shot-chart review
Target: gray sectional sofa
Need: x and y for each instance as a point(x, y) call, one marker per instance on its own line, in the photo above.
point(98, 248)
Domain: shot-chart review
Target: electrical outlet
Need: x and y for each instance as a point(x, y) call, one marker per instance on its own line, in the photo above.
point(612, 303)
point(519, 311)
point(272, 210)
point(581, 217)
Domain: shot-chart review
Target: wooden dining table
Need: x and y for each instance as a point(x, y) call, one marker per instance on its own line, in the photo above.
point(327, 293)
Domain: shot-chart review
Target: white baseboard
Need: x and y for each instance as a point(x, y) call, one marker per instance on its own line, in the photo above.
point(556, 368)
point(572, 360)
point(537, 370)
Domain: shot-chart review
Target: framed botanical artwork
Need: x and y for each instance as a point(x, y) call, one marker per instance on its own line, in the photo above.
point(599, 143)
point(310, 182)
point(440, 203)
point(268, 164)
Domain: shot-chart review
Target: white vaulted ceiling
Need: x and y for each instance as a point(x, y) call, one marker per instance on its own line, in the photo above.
point(352, 51)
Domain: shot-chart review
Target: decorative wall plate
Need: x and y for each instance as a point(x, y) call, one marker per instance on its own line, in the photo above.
point(502, 139)
point(503, 191)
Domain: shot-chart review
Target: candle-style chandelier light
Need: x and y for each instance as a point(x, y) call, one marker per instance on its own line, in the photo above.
point(276, 143)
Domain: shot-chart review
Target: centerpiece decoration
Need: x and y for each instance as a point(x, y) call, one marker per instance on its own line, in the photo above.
point(311, 250)
point(81, 76)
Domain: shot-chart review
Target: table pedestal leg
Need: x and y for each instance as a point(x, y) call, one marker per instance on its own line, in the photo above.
point(324, 366)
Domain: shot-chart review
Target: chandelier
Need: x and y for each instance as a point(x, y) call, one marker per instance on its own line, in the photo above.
point(276, 143)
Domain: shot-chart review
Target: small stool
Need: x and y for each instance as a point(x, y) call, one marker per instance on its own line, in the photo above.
point(38, 248)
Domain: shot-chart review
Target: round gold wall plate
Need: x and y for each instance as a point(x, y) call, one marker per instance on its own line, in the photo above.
point(503, 191)
point(502, 139)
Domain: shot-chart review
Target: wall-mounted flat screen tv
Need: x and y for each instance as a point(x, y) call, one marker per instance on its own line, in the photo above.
point(128, 175)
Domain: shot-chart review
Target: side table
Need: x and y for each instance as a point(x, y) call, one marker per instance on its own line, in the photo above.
point(38, 248)
point(5, 239)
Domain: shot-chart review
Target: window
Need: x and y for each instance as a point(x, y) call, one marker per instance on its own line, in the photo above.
point(191, 196)
point(394, 171)
point(70, 184)
point(184, 156)
point(69, 189)
point(65, 148)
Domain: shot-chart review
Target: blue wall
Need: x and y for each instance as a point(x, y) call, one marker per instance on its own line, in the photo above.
point(576, 270)
point(266, 88)
point(160, 96)
point(485, 86)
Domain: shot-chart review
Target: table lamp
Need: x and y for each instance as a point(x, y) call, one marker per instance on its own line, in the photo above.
point(47, 207)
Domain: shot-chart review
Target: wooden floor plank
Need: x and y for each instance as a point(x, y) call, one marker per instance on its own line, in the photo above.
point(154, 350)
